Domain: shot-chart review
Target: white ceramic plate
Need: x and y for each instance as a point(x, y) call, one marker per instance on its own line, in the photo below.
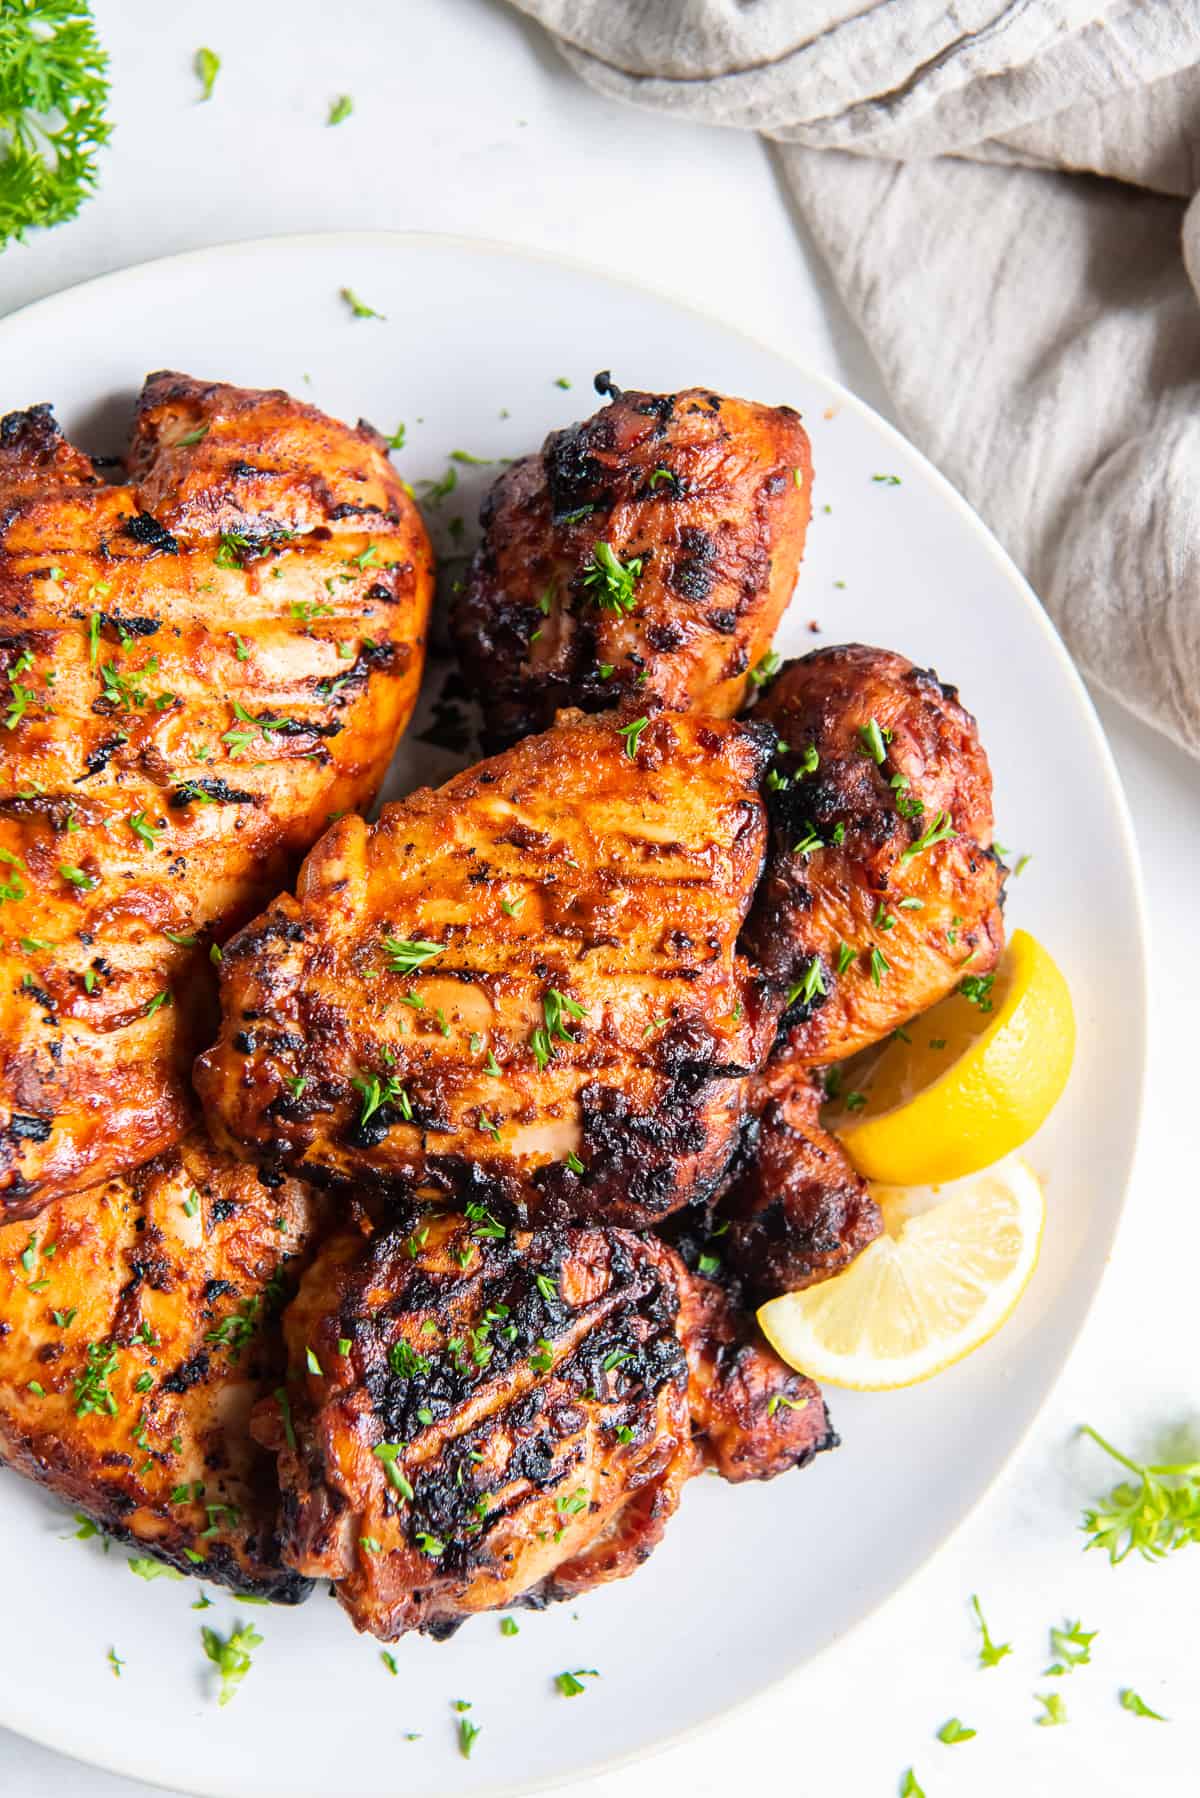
point(475, 352)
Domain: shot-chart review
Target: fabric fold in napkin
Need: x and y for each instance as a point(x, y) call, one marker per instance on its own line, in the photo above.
point(1008, 196)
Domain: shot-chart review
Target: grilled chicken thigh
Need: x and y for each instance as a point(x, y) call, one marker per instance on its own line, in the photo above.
point(479, 1417)
point(882, 890)
point(794, 1210)
point(645, 554)
point(520, 989)
point(138, 1327)
point(202, 666)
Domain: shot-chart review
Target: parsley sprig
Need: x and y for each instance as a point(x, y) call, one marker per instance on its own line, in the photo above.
point(53, 92)
point(1155, 1512)
point(610, 580)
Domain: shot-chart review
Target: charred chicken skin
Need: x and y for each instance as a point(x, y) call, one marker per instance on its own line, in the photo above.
point(202, 664)
point(138, 1328)
point(882, 889)
point(522, 988)
point(645, 554)
point(794, 1210)
point(479, 1417)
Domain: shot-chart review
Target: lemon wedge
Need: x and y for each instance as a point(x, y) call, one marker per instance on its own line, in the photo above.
point(977, 1076)
point(943, 1278)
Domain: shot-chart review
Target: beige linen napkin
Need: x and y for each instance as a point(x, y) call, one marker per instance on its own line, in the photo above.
point(1002, 192)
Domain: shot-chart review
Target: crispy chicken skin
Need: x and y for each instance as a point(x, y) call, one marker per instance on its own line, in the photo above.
point(704, 500)
point(794, 1210)
point(138, 1327)
point(507, 1417)
point(200, 667)
point(561, 1027)
point(868, 913)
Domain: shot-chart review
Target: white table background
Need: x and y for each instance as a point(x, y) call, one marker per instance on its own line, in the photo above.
point(466, 121)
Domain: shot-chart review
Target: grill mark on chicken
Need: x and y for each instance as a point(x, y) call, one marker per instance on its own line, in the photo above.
point(167, 642)
point(140, 1324)
point(577, 1042)
point(507, 1418)
point(706, 500)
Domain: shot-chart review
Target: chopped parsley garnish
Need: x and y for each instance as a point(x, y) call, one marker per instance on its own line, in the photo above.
point(811, 987)
point(92, 1391)
point(509, 1626)
point(872, 741)
point(1072, 1647)
point(886, 480)
point(207, 65)
point(313, 1365)
point(191, 437)
point(405, 956)
point(1055, 1708)
point(879, 965)
point(231, 1656)
point(389, 1661)
point(940, 831)
point(433, 1546)
point(359, 308)
point(1131, 1702)
point(611, 580)
point(115, 1662)
point(954, 1731)
point(631, 734)
point(809, 841)
point(573, 1162)
point(77, 877)
point(978, 989)
point(386, 1452)
point(845, 957)
point(146, 833)
point(467, 1734)
point(376, 1093)
point(146, 1567)
point(341, 109)
point(766, 668)
point(909, 1787)
point(571, 1684)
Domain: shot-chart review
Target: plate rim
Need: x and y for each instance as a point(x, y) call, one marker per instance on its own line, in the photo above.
point(843, 396)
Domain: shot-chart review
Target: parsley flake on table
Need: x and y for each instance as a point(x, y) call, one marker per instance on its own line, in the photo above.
point(1071, 1647)
point(359, 308)
point(231, 1656)
point(207, 65)
point(571, 1684)
point(53, 92)
point(954, 1730)
point(1055, 1710)
point(1131, 1702)
point(990, 1653)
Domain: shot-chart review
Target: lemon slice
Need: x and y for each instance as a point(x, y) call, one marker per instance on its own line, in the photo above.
point(976, 1077)
point(942, 1279)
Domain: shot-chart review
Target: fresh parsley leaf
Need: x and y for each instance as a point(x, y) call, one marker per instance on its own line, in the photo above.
point(1055, 1709)
point(207, 65)
point(146, 1567)
point(53, 94)
point(611, 581)
point(1071, 1647)
point(1158, 1513)
point(359, 308)
point(1131, 1702)
point(231, 1656)
point(990, 1653)
point(953, 1731)
point(571, 1684)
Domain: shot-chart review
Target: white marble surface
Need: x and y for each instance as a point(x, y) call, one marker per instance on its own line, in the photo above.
point(465, 121)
